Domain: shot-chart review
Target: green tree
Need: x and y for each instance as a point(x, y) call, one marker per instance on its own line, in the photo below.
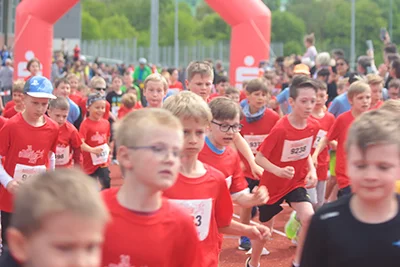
point(97, 9)
point(90, 27)
point(213, 27)
point(117, 27)
point(202, 10)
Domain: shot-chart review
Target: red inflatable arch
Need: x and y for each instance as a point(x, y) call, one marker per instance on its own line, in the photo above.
point(251, 33)
point(34, 33)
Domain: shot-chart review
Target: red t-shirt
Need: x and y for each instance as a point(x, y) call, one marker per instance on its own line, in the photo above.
point(77, 98)
point(26, 150)
point(338, 132)
point(84, 111)
point(177, 85)
point(68, 146)
point(10, 104)
point(165, 238)
point(287, 146)
point(2, 121)
point(209, 202)
point(229, 164)
point(123, 111)
point(377, 105)
point(95, 133)
point(255, 132)
point(9, 113)
point(325, 123)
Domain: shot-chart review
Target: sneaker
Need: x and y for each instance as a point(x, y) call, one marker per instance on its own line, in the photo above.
point(247, 264)
point(264, 252)
point(244, 243)
point(292, 226)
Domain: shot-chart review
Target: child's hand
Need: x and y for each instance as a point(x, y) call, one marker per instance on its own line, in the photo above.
point(260, 195)
point(12, 186)
point(259, 232)
point(287, 172)
point(97, 150)
point(311, 179)
point(257, 171)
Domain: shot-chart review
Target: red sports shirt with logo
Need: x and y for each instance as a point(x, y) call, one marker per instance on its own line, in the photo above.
point(68, 146)
point(26, 150)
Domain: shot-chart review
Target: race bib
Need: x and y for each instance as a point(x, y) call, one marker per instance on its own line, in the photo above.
point(23, 172)
point(102, 157)
point(254, 141)
point(62, 155)
point(229, 181)
point(200, 209)
point(114, 110)
point(321, 134)
point(296, 150)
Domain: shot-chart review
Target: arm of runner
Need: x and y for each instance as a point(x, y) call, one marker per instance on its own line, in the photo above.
point(52, 160)
point(258, 197)
point(287, 172)
point(87, 148)
point(4, 177)
point(321, 146)
point(311, 178)
point(258, 231)
point(333, 144)
point(245, 150)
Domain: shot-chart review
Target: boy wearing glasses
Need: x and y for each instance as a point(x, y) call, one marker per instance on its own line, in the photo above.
point(200, 188)
point(218, 153)
point(95, 132)
point(97, 85)
point(146, 229)
point(257, 122)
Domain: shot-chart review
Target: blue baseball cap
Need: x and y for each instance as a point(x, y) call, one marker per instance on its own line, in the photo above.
point(40, 87)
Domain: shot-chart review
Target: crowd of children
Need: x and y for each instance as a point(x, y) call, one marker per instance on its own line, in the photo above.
point(187, 157)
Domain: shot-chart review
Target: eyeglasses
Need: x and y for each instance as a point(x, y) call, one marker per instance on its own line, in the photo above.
point(100, 89)
point(159, 150)
point(226, 127)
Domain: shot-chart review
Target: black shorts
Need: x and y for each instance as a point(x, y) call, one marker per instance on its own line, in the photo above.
point(344, 192)
point(103, 174)
point(267, 212)
point(252, 183)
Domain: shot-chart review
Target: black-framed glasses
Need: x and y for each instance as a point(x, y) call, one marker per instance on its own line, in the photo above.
point(226, 127)
point(159, 150)
point(100, 89)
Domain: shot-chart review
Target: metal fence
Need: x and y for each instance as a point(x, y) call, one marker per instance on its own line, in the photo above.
point(128, 51)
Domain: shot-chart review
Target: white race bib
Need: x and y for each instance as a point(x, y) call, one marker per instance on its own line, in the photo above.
point(228, 181)
point(201, 210)
point(321, 134)
point(62, 155)
point(23, 172)
point(114, 110)
point(102, 157)
point(296, 150)
point(254, 141)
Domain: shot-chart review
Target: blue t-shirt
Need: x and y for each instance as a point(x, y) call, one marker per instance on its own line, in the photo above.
point(74, 111)
point(340, 105)
point(283, 98)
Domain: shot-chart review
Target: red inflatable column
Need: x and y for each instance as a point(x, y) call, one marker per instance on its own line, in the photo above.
point(251, 33)
point(34, 33)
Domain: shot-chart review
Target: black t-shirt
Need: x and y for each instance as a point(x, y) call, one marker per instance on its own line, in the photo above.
point(115, 101)
point(337, 239)
point(6, 260)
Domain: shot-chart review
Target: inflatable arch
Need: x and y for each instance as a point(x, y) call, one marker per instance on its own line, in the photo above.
point(34, 33)
point(251, 34)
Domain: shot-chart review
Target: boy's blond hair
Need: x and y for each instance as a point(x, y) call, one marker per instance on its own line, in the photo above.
point(342, 83)
point(188, 105)
point(55, 192)
point(374, 127)
point(203, 68)
point(156, 77)
point(357, 88)
point(374, 79)
point(223, 108)
point(129, 100)
point(232, 90)
point(59, 103)
point(72, 76)
point(391, 105)
point(18, 86)
point(97, 81)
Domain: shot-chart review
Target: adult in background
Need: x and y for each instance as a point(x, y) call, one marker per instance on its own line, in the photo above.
point(57, 70)
point(33, 67)
point(4, 55)
point(6, 80)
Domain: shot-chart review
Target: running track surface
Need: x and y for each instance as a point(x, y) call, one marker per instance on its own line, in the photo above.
point(282, 250)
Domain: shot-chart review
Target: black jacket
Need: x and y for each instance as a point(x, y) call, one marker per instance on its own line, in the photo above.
point(6, 260)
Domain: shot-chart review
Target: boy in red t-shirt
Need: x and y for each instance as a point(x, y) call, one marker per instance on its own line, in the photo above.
point(201, 188)
point(128, 105)
point(233, 93)
point(75, 94)
point(257, 122)
point(155, 89)
point(285, 157)
point(97, 85)
point(359, 95)
point(375, 82)
point(149, 145)
point(95, 132)
point(221, 85)
point(175, 85)
point(28, 142)
point(17, 103)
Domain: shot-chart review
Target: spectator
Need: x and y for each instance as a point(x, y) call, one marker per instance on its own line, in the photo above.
point(33, 67)
point(141, 72)
point(342, 67)
point(311, 52)
point(4, 55)
point(57, 70)
point(364, 65)
point(6, 80)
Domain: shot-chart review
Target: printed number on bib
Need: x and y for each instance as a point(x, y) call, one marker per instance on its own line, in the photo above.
point(201, 210)
point(296, 150)
point(254, 141)
point(102, 157)
point(62, 155)
point(321, 134)
point(23, 172)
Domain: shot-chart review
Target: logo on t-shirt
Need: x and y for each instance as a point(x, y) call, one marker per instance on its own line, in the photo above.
point(125, 261)
point(30, 154)
point(99, 138)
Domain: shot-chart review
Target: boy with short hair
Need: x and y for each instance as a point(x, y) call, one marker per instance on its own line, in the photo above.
point(75, 94)
point(95, 132)
point(149, 145)
point(155, 89)
point(362, 229)
point(114, 97)
point(28, 143)
point(342, 86)
point(128, 104)
point(59, 220)
point(17, 105)
point(258, 121)
point(200, 187)
point(376, 84)
point(63, 89)
point(394, 89)
point(285, 157)
point(221, 85)
point(97, 85)
point(233, 93)
point(359, 96)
